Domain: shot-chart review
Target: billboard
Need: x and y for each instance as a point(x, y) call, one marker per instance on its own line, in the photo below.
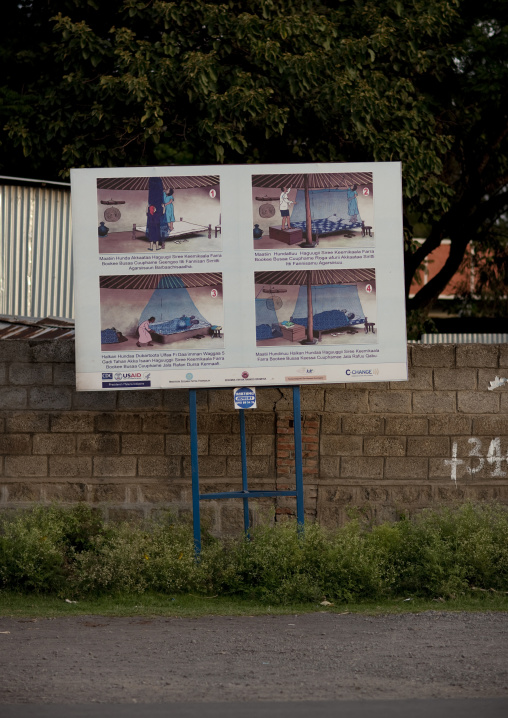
point(230, 275)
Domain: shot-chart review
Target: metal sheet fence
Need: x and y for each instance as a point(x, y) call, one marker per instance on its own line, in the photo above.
point(36, 277)
point(464, 338)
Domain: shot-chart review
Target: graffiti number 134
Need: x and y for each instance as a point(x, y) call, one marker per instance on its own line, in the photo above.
point(493, 458)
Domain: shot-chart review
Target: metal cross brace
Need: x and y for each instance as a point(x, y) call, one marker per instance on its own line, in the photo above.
point(245, 493)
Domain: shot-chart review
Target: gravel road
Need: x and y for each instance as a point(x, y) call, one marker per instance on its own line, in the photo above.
point(281, 658)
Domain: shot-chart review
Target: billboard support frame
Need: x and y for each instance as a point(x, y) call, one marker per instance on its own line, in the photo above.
point(245, 493)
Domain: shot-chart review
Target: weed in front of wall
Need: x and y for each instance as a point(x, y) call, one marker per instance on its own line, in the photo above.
point(438, 553)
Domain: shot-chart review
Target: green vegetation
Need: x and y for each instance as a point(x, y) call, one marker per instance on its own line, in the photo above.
point(458, 555)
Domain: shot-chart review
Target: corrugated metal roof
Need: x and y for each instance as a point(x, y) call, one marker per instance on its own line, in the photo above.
point(30, 180)
point(25, 328)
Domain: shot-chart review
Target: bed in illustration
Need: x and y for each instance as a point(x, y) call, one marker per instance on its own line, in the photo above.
point(181, 230)
point(326, 316)
point(318, 304)
point(140, 214)
point(302, 209)
point(162, 309)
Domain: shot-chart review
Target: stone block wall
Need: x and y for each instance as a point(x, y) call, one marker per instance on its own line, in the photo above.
point(384, 448)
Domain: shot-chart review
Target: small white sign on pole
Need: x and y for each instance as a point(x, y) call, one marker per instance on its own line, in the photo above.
point(245, 397)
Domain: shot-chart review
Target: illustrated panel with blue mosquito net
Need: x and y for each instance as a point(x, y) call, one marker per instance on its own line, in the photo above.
point(334, 306)
point(173, 309)
point(159, 229)
point(332, 210)
point(267, 322)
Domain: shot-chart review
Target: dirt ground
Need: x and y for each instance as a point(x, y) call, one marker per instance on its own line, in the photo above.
point(311, 657)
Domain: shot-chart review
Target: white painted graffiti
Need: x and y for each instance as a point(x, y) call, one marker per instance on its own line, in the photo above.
point(493, 458)
point(497, 382)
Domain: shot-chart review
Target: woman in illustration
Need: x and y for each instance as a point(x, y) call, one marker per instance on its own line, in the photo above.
point(352, 204)
point(145, 337)
point(153, 228)
point(169, 207)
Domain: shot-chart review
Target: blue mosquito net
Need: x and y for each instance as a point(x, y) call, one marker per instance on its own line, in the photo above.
point(333, 306)
point(267, 323)
point(328, 208)
point(173, 308)
point(323, 203)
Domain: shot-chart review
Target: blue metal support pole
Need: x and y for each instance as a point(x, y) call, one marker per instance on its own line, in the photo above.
point(245, 487)
point(195, 470)
point(244, 494)
point(297, 420)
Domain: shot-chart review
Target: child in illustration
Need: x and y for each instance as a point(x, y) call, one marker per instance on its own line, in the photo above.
point(144, 333)
point(352, 204)
point(169, 208)
point(153, 228)
point(284, 204)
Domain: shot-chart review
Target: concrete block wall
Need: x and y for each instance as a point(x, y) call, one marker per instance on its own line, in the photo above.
point(384, 448)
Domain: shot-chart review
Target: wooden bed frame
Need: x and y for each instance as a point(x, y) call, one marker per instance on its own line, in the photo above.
point(180, 234)
point(178, 336)
point(352, 328)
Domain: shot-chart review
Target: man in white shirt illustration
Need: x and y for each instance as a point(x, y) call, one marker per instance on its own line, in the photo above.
point(284, 204)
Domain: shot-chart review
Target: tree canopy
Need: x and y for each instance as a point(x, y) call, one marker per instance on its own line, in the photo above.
point(128, 82)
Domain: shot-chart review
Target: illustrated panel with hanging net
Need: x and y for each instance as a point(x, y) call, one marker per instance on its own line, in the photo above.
point(267, 322)
point(173, 309)
point(333, 306)
point(330, 211)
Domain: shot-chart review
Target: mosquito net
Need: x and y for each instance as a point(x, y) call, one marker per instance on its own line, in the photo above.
point(267, 323)
point(323, 203)
point(333, 306)
point(173, 308)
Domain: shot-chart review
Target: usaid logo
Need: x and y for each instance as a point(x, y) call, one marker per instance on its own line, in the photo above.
point(107, 375)
point(362, 372)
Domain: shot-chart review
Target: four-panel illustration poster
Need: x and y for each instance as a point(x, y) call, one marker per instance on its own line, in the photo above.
point(230, 275)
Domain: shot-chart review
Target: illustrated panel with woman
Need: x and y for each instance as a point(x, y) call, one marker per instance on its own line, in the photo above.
point(352, 204)
point(145, 338)
point(169, 208)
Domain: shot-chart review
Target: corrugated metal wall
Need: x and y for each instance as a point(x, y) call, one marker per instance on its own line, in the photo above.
point(36, 278)
point(463, 338)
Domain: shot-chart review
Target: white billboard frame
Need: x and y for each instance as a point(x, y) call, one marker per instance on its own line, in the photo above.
point(189, 277)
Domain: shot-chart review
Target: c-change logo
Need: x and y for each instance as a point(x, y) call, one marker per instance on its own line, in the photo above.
point(362, 372)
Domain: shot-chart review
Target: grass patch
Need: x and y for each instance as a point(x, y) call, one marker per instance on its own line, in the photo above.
point(453, 556)
point(184, 606)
